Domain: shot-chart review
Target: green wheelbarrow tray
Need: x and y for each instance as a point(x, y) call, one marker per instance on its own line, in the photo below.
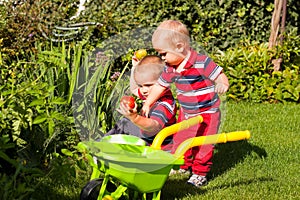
point(146, 168)
point(141, 168)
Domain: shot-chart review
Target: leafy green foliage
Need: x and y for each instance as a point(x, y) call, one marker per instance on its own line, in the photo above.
point(71, 163)
point(213, 24)
point(33, 120)
point(25, 22)
point(15, 185)
point(46, 103)
point(251, 75)
point(96, 96)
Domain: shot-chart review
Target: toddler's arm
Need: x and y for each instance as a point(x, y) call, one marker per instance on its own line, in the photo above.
point(156, 91)
point(222, 84)
point(146, 124)
point(132, 84)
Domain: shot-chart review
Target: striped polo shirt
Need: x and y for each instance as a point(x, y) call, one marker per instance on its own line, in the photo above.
point(194, 84)
point(163, 111)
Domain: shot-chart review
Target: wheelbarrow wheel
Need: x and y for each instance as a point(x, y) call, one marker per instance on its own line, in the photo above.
point(91, 190)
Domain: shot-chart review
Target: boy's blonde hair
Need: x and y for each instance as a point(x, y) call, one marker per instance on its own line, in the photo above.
point(151, 65)
point(172, 31)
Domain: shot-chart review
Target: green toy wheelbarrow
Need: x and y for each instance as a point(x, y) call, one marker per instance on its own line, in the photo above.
point(131, 170)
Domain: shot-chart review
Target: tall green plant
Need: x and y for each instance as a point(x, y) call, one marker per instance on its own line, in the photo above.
point(95, 96)
point(26, 102)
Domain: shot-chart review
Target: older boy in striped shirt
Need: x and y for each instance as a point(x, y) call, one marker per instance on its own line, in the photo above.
point(198, 81)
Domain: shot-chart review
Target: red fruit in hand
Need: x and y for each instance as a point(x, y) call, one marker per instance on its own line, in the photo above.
point(129, 100)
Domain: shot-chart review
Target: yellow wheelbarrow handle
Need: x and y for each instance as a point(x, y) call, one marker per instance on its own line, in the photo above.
point(170, 130)
point(196, 141)
point(210, 139)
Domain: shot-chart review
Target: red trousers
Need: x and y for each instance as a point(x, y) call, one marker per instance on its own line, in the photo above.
point(198, 159)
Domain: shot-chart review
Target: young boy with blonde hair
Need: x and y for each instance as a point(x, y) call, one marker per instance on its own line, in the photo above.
point(162, 113)
point(198, 81)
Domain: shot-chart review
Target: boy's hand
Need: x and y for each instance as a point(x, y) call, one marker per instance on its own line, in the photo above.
point(126, 111)
point(134, 60)
point(145, 110)
point(221, 84)
point(138, 55)
point(221, 88)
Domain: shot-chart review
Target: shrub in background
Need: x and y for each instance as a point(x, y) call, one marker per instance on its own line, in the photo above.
point(251, 74)
point(213, 24)
point(25, 22)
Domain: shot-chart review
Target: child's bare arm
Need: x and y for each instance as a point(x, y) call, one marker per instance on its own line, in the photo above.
point(146, 124)
point(156, 91)
point(132, 84)
point(222, 84)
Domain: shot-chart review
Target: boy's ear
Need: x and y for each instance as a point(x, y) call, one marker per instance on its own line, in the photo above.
point(179, 47)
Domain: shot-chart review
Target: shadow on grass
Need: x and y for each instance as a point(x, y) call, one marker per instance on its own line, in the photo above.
point(239, 183)
point(177, 188)
point(228, 155)
point(51, 192)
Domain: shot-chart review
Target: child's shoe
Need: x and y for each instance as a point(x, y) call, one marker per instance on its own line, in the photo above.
point(197, 180)
point(180, 171)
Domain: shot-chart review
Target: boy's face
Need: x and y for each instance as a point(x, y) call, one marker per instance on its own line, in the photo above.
point(168, 52)
point(170, 57)
point(145, 83)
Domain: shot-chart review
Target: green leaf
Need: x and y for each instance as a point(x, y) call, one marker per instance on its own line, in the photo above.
point(270, 90)
point(16, 125)
point(39, 119)
point(59, 100)
point(51, 126)
point(286, 95)
point(58, 116)
point(67, 152)
point(81, 147)
point(37, 102)
point(243, 87)
point(8, 159)
point(296, 95)
point(289, 88)
point(82, 165)
point(91, 160)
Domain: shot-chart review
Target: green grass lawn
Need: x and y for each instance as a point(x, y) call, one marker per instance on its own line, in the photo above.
point(266, 166)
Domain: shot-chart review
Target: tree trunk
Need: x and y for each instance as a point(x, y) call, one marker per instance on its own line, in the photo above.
point(279, 12)
point(283, 19)
point(275, 23)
